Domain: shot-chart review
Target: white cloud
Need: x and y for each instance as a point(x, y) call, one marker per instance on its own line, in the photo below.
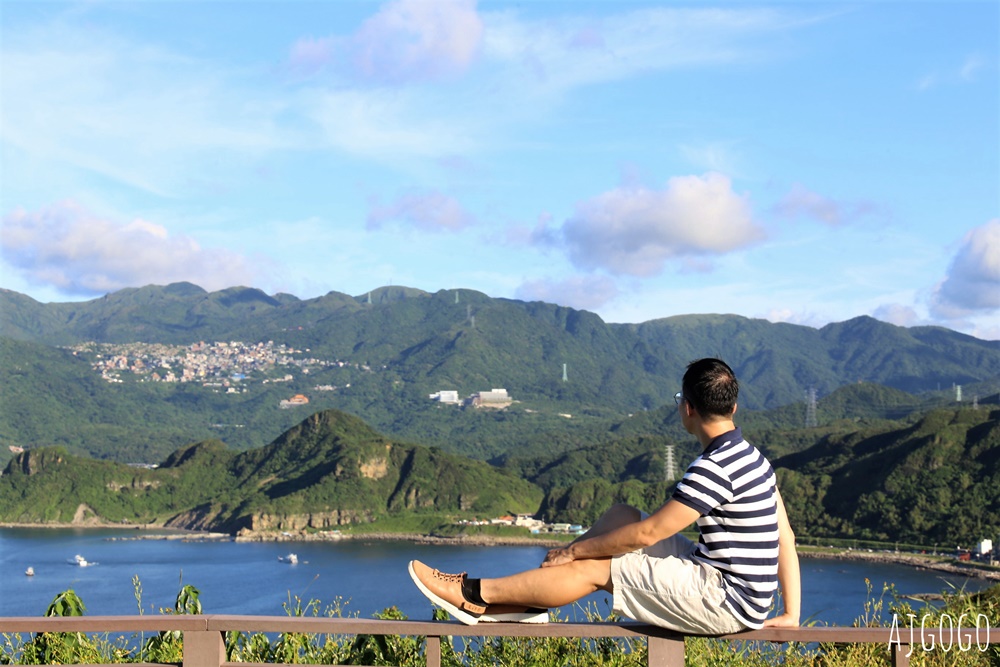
point(803, 316)
point(79, 252)
point(430, 211)
point(635, 230)
point(898, 314)
point(803, 202)
point(405, 41)
point(580, 292)
point(972, 284)
point(417, 40)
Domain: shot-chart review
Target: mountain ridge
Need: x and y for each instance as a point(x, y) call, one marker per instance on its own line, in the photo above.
point(553, 360)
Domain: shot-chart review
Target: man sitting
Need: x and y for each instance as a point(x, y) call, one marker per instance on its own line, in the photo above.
point(722, 584)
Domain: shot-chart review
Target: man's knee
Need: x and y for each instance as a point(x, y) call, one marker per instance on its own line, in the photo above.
point(595, 571)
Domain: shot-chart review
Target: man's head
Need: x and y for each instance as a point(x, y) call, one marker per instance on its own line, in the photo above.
point(710, 386)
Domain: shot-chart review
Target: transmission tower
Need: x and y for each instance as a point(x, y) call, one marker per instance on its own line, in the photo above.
point(565, 378)
point(669, 468)
point(811, 408)
point(958, 393)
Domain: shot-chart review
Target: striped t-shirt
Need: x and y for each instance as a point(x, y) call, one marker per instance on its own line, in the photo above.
point(732, 486)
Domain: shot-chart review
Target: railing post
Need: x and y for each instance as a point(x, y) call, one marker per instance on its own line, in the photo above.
point(900, 654)
point(432, 651)
point(663, 652)
point(203, 648)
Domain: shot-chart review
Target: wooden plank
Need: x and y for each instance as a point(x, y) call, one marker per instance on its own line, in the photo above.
point(899, 655)
point(103, 623)
point(204, 648)
point(665, 652)
point(432, 651)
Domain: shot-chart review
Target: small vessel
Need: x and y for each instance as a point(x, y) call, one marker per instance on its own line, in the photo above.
point(30, 572)
point(291, 559)
point(80, 561)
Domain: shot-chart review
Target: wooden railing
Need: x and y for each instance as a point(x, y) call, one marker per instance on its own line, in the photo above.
point(204, 634)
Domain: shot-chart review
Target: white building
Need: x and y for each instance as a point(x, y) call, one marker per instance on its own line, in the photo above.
point(445, 396)
point(495, 398)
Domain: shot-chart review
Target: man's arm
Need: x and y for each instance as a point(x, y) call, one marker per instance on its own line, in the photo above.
point(788, 573)
point(665, 522)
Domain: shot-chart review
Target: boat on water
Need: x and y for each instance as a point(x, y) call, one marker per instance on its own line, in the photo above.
point(291, 559)
point(30, 572)
point(80, 561)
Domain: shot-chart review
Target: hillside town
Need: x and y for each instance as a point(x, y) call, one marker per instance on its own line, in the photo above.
point(230, 365)
point(212, 364)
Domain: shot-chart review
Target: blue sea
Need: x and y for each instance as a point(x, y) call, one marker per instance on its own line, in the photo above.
point(362, 577)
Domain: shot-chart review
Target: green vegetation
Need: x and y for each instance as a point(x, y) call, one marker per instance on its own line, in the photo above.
point(935, 481)
point(330, 470)
point(415, 343)
point(886, 610)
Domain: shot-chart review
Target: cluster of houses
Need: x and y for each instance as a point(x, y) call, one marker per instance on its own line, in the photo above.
point(494, 398)
point(207, 363)
point(536, 526)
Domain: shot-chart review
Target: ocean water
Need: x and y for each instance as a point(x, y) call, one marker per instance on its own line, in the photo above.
point(362, 577)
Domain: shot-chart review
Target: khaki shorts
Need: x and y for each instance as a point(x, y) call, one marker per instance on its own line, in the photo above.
point(662, 585)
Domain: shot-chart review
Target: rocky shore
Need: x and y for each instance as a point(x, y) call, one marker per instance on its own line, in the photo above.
point(334, 536)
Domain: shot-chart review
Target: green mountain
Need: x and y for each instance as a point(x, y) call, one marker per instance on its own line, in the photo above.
point(330, 470)
point(934, 481)
point(383, 353)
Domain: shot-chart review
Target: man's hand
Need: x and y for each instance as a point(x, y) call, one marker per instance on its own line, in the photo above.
point(782, 621)
point(560, 556)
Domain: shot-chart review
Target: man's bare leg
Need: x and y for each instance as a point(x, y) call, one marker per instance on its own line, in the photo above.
point(564, 584)
point(551, 586)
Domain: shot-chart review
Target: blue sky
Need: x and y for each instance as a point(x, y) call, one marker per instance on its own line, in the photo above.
point(802, 162)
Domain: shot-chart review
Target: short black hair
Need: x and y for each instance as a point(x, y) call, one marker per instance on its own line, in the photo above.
point(711, 387)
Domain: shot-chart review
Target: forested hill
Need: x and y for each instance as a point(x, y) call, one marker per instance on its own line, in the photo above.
point(932, 479)
point(330, 470)
point(381, 354)
point(929, 479)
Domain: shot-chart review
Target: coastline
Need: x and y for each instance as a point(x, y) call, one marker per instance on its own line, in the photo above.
point(153, 532)
point(918, 561)
point(417, 538)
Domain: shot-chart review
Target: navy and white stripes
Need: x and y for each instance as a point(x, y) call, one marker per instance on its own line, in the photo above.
point(732, 486)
